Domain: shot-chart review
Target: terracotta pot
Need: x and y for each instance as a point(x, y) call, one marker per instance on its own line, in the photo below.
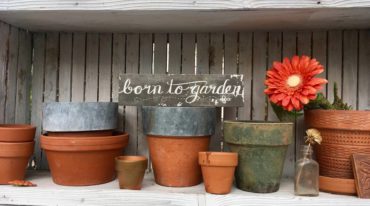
point(175, 159)
point(14, 159)
point(337, 185)
point(81, 134)
point(343, 133)
point(175, 136)
point(17, 133)
point(218, 170)
point(77, 161)
point(131, 171)
point(262, 148)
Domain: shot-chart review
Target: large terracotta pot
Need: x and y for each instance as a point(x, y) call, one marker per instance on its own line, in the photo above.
point(175, 136)
point(218, 170)
point(262, 147)
point(17, 133)
point(14, 159)
point(343, 133)
point(83, 160)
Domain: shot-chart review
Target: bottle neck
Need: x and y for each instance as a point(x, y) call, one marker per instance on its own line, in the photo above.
point(306, 152)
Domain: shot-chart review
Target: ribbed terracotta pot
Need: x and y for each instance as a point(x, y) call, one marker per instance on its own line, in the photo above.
point(343, 133)
point(17, 133)
point(218, 171)
point(77, 161)
point(14, 159)
point(131, 171)
point(175, 137)
point(262, 148)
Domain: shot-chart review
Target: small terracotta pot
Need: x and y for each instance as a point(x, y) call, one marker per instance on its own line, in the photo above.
point(17, 133)
point(218, 170)
point(77, 161)
point(82, 134)
point(13, 160)
point(175, 159)
point(130, 171)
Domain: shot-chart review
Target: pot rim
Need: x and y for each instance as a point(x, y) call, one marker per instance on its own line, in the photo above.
point(16, 127)
point(256, 122)
point(61, 102)
point(16, 149)
point(185, 107)
point(130, 159)
point(77, 144)
point(177, 137)
point(337, 110)
point(221, 159)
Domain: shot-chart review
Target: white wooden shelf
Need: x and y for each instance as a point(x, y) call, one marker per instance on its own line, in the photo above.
point(48, 193)
point(184, 15)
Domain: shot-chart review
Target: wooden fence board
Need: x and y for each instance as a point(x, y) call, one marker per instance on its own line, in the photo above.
point(118, 67)
point(319, 51)
point(215, 67)
point(132, 66)
point(174, 61)
point(364, 70)
point(11, 83)
point(105, 67)
point(39, 44)
point(335, 39)
point(92, 67)
point(188, 57)
point(22, 112)
point(245, 68)
point(4, 37)
point(65, 67)
point(146, 60)
point(350, 67)
point(259, 75)
point(78, 67)
point(160, 53)
point(274, 54)
point(203, 53)
point(230, 66)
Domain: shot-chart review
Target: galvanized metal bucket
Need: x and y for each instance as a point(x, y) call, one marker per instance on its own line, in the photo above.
point(79, 116)
point(179, 121)
point(262, 148)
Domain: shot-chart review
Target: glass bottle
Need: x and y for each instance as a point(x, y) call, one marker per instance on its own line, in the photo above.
point(306, 181)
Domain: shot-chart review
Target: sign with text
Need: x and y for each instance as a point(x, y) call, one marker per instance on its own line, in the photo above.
point(181, 90)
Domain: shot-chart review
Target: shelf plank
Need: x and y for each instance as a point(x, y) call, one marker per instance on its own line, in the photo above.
point(145, 18)
point(173, 5)
point(48, 193)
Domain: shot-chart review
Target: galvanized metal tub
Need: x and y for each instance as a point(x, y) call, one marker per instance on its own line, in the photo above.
point(179, 121)
point(262, 147)
point(79, 116)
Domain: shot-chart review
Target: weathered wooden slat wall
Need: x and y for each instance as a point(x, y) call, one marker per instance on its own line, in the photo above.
point(85, 67)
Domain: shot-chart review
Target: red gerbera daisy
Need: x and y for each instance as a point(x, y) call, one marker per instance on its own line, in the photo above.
point(292, 83)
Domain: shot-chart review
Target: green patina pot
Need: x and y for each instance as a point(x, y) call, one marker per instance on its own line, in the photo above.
point(262, 147)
